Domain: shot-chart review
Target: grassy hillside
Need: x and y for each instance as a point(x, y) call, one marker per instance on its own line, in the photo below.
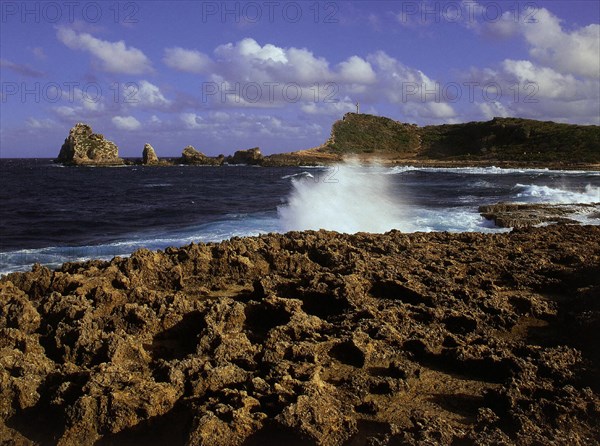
point(502, 139)
point(513, 139)
point(367, 133)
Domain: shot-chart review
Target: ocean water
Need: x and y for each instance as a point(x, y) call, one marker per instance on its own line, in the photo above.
point(52, 214)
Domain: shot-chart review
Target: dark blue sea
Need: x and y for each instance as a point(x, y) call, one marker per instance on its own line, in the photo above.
point(52, 214)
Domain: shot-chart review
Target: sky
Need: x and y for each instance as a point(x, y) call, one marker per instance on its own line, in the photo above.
point(223, 76)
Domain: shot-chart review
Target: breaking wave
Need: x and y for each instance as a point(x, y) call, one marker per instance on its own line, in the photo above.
point(342, 199)
point(547, 194)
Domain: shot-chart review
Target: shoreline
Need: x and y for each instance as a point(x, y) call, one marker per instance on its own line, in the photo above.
point(421, 163)
point(311, 338)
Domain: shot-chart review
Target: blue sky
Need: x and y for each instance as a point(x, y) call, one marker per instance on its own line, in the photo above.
point(223, 76)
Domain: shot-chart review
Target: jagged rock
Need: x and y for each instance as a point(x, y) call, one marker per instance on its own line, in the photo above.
point(314, 338)
point(83, 147)
point(192, 156)
point(149, 155)
point(519, 215)
point(250, 156)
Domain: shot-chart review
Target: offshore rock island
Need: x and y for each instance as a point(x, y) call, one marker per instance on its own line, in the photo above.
point(502, 142)
point(312, 338)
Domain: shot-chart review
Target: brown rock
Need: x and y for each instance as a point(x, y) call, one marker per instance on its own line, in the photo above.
point(83, 147)
point(250, 157)
point(192, 156)
point(310, 338)
point(149, 157)
point(519, 215)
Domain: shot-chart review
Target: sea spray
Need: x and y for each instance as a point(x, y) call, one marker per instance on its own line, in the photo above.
point(545, 194)
point(346, 198)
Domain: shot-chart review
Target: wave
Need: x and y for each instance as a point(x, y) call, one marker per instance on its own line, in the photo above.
point(343, 200)
point(547, 194)
point(236, 226)
point(158, 185)
point(296, 175)
point(492, 170)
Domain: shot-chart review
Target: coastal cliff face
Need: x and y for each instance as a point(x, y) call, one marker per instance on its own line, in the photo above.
point(312, 338)
point(83, 147)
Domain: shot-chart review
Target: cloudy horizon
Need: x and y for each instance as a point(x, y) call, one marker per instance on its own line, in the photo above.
point(234, 75)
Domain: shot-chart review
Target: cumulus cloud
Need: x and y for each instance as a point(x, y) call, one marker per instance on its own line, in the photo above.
point(248, 61)
point(358, 70)
point(493, 109)
point(149, 95)
point(190, 61)
point(114, 57)
point(549, 83)
point(191, 121)
point(126, 123)
point(247, 74)
point(576, 52)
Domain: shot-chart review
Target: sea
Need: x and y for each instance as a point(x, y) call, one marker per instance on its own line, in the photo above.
point(51, 214)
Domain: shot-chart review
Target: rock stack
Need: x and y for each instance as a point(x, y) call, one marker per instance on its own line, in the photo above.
point(84, 148)
point(149, 157)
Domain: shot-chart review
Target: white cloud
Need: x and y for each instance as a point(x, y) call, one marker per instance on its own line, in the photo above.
point(357, 70)
point(40, 123)
point(126, 123)
point(569, 52)
point(329, 108)
point(250, 49)
point(114, 57)
point(439, 110)
point(248, 61)
point(187, 60)
point(191, 121)
point(493, 109)
point(148, 94)
point(576, 52)
point(549, 83)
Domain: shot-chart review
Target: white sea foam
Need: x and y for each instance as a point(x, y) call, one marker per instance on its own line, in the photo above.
point(492, 170)
point(236, 226)
point(343, 200)
point(546, 194)
point(296, 175)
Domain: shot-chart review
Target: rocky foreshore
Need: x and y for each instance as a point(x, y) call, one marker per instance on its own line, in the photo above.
point(311, 338)
point(520, 215)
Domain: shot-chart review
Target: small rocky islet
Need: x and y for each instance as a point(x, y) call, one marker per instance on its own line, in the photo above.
point(311, 338)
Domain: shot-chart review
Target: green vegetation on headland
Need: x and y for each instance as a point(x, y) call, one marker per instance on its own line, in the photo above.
point(501, 141)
